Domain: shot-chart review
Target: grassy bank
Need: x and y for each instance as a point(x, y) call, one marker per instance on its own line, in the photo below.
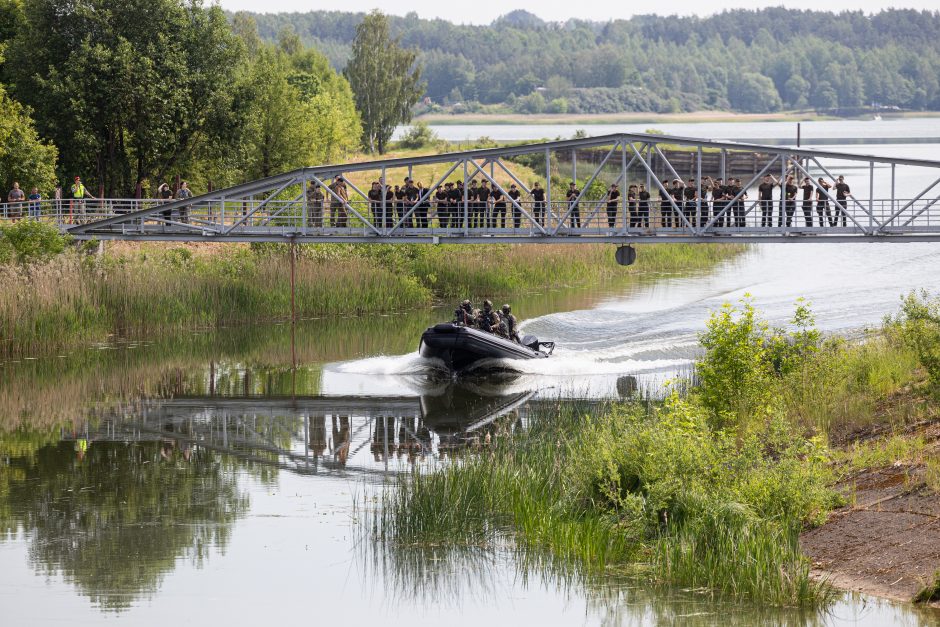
point(54, 299)
point(709, 489)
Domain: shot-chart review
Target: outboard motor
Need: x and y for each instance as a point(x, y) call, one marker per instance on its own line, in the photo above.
point(531, 341)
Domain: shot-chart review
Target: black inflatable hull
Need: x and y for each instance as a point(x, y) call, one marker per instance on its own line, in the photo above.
point(461, 347)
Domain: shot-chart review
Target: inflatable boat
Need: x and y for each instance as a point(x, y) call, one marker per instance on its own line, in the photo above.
point(460, 347)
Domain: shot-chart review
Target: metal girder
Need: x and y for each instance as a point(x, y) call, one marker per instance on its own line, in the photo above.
point(136, 223)
point(575, 204)
point(672, 201)
point(740, 194)
point(505, 193)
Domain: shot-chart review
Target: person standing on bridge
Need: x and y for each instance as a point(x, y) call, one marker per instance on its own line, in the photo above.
point(483, 203)
point(338, 200)
point(455, 204)
point(717, 192)
point(765, 194)
point(498, 218)
point(35, 198)
point(822, 202)
point(375, 202)
point(440, 205)
point(184, 193)
point(843, 193)
point(787, 202)
point(644, 206)
point(538, 203)
point(575, 212)
point(613, 197)
point(314, 205)
point(515, 195)
point(740, 214)
point(78, 195)
point(691, 196)
point(15, 199)
point(808, 187)
point(665, 207)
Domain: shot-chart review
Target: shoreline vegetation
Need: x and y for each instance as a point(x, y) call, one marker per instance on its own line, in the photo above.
point(719, 486)
point(694, 117)
point(55, 297)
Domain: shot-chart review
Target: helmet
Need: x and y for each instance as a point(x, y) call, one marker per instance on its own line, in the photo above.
point(506, 308)
point(466, 303)
point(487, 305)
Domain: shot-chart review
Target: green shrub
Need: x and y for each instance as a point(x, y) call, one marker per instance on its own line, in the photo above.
point(418, 136)
point(32, 240)
point(918, 325)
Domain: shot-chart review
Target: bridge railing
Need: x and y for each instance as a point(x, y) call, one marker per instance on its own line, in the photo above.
point(588, 217)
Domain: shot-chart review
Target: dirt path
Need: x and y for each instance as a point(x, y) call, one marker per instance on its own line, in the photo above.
point(886, 541)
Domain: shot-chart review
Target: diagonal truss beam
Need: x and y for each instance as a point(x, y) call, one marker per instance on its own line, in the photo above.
point(260, 206)
point(672, 201)
point(739, 195)
point(506, 194)
point(423, 198)
point(575, 204)
point(839, 205)
point(900, 211)
point(345, 204)
point(830, 197)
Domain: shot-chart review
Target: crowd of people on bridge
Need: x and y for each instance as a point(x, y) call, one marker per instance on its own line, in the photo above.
point(485, 204)
point(502, 323)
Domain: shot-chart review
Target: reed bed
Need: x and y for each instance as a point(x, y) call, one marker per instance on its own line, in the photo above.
point(67, 300)
point(628, 488)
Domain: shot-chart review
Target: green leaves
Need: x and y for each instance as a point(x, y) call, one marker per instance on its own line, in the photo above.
point(384, 80)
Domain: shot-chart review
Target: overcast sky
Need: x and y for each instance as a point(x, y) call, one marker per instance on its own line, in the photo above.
point(485, 11)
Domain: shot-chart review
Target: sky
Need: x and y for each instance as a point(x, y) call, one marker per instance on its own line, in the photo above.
point(485, 11)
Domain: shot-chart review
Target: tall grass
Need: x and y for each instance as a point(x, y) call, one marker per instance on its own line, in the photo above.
point(67, 300)
point(628, 486)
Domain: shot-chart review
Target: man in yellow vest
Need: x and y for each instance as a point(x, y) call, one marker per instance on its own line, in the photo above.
point(78, 195)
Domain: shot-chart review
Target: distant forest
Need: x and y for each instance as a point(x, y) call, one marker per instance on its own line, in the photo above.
point(754, 61)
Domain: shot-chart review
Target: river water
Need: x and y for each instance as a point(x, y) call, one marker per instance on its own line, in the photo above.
point(214, 477)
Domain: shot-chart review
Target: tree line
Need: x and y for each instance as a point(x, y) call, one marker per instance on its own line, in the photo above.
point(743, 60)
point(128, 94)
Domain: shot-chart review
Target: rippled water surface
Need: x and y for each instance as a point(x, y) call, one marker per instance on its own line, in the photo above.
point(207, 478)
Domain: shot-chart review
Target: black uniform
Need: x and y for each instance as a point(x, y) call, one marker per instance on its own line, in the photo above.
point(538, 208)
point(842, 195)
point(788, 204)
point(498, 219)
point(644, 208)
point(455, 202)
point(612, 197)
point(443, 209)
point(375, 203)
point(822, 206)
point(690, 194)
point(571, 196)
point(740, 217)
point(483, 197)
point(665, 208)
point(765, 193)
point(516, 214)
point(807, 203)
point(677, 195)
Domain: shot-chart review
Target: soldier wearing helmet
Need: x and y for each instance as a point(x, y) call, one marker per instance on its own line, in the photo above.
point(463, 315)
point(512, 325)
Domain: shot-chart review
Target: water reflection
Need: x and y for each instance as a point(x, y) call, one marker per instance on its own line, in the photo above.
point(113, 518)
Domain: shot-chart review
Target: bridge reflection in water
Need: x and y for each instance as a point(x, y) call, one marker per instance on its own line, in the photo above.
point(316, 434)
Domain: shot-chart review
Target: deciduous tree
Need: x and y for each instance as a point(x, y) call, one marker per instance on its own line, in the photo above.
point(384, 79)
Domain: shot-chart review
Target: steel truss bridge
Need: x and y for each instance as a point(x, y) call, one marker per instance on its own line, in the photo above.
point(281, 209)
